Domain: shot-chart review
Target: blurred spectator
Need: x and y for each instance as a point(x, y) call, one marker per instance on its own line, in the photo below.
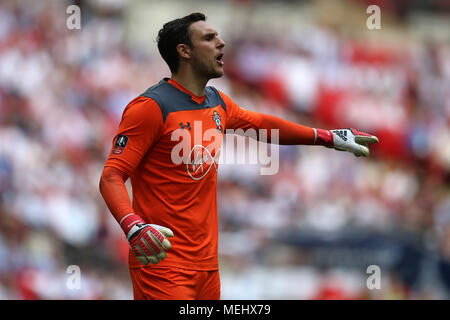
point(62, 95)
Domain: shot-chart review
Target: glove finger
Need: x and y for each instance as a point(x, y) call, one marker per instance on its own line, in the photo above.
point(149, 257)
point(157, 245)
point(366, 139)
point(142, 257)
point(161, 255)
point(364, 151)
point(152, 243)
point(153, 259)
point(165, 231)
point(166, 244)
point(143, 260)
point(353, 148)
point(157, 253)
point(135, 251)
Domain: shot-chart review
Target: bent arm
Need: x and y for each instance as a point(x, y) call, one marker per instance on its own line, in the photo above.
point(113, 190)
point(148, 242)
point(139, 128)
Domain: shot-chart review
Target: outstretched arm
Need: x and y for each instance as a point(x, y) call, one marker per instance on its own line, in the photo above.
point(290, 133)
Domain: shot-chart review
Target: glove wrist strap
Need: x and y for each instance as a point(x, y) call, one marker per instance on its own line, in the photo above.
point(129, 224)
point(323, 137)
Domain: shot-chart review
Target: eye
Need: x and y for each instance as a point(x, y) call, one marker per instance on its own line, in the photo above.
point(210, 36)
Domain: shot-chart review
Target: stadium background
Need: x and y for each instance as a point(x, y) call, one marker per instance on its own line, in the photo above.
point(308, 232)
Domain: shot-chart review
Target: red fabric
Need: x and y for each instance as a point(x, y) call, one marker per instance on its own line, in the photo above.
point(155, 283)
point(360, 133)
point(115, 194)
point(129, 222)
point(198, 99)
point(179, 196)
point(324, 137)
point(164, 192)
point(290, 133)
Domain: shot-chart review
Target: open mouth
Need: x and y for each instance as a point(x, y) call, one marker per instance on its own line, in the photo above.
point(219, 59)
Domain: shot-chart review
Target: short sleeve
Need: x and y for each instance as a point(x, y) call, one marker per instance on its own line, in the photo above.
point(140, 127)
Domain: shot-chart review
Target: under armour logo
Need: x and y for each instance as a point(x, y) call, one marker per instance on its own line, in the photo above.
point(341, 133)
point(188, 125)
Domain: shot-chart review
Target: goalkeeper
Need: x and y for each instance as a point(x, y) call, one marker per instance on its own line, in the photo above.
point(171, 225)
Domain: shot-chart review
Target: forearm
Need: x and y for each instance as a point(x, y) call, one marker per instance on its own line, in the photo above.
point(113, 190)
point(148, 242)
point(290, 133)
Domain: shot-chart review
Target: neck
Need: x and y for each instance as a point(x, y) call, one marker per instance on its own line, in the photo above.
point(192, 82)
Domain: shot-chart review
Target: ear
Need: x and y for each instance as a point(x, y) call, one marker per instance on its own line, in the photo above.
point(184, 51)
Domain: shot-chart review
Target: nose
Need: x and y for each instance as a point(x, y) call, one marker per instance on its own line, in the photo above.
point(220, 43)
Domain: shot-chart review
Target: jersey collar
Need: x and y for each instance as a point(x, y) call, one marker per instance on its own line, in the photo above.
point(198, 99)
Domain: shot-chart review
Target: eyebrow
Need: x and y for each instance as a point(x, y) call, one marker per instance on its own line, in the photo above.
point(210, 33)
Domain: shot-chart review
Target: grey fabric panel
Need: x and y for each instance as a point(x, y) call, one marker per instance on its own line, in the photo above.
point(213, 91)
point(171, 99)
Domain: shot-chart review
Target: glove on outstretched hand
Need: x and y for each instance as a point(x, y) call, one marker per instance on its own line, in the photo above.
point(350, 140)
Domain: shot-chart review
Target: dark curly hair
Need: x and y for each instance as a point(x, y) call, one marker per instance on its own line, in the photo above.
point(172, 34)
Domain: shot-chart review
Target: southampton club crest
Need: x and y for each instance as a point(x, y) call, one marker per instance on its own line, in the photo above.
point(217, 120)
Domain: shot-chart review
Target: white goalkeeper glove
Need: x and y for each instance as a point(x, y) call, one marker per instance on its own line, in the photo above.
point(350, 140)
point(148, 242)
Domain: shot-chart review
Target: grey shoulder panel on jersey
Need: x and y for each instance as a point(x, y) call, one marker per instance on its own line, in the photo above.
point(171, 99)
point(213, 92)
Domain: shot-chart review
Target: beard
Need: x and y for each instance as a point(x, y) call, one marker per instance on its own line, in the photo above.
point(207, 69)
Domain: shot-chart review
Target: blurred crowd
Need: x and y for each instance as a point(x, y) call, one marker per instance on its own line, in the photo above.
point(62, 93)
